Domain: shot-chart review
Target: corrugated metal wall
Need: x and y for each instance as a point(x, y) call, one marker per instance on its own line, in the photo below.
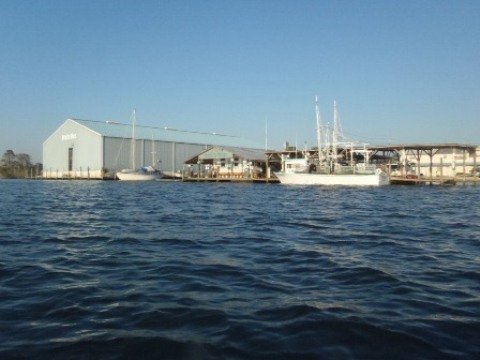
point(168, 156)
point(117, 153)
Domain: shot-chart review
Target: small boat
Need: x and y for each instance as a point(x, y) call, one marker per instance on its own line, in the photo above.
point(335, 163)
point(145, 173)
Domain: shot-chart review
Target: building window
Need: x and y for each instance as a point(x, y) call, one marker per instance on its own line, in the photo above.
point(70, 159)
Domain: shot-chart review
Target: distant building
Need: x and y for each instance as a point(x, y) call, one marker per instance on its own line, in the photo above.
point(433, 160)
point(402, 160)
point(222, 162)
point(97, 150)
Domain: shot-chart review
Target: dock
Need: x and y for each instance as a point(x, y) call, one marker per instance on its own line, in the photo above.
point(232, 180)
point(421, 181)
point(396, 180)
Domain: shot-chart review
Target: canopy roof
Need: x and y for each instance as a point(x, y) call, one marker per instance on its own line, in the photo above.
point(423, 147)
point(218, 153)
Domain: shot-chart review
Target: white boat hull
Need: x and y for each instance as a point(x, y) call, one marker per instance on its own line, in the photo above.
point(333, 179)
point(138, 176)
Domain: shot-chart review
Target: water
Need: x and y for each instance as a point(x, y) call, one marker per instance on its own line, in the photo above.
point(116, 270)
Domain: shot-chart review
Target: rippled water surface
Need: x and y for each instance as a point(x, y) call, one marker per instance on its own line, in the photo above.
point(112, 270)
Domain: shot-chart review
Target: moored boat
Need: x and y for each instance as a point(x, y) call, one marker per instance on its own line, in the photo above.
point(334, 162)
point(145, 173)
point(373, 177)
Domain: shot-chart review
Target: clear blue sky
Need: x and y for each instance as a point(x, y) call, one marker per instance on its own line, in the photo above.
point(401, 71)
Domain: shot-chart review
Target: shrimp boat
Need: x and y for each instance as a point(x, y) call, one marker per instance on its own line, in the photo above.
point(332, 163)
point(145, 173)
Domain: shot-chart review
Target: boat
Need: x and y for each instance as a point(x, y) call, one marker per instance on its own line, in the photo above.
point(144, 173)
point(332, 163)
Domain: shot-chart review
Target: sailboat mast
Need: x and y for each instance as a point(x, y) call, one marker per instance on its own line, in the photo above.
point(336, 131)
point(328, 149)
point(133, 138)
point(319, 130)
point(153, 153)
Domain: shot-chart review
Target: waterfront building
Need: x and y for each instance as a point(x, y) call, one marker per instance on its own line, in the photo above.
point(227, 163)
point(97, 150)
point(431, 160)
point(414, 161)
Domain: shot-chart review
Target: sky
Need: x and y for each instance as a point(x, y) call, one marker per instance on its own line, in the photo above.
point(400, 71)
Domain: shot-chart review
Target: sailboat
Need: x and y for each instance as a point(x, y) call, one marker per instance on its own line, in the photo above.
point(336, 164)
point(145, 173)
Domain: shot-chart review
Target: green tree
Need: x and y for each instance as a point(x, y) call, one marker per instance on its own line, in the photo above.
point(23, 160)
point(18, 166)
point(8, 157)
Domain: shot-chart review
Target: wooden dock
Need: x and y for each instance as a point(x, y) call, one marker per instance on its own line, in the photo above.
point(231, 180)
point(432, 181)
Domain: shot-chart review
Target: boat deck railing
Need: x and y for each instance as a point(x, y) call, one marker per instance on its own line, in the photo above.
point(359, 169)
point(224, 173)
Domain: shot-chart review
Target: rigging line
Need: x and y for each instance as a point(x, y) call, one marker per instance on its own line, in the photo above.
point(125, 134)
point(369, 138)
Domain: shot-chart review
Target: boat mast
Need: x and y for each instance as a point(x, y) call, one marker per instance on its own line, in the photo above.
point(153, 153)
point(336, 131)
point(319, 131)
point(133, 139)
point(328, 149)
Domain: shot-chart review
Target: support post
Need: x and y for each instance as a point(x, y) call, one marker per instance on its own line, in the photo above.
point(441, 170)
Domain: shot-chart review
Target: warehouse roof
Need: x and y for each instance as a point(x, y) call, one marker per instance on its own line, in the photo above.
point(424, 147)
point(115, 129)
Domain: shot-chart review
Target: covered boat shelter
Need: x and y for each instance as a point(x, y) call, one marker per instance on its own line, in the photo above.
point(448, 158)
point(226, 163)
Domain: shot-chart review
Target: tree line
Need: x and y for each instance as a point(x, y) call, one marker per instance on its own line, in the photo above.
point(15, 166)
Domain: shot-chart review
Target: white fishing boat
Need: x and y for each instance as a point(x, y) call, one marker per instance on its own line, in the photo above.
point(332, 163)
point(145, 173)
point(376, 178)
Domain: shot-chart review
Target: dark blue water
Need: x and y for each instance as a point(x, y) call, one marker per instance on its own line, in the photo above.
point(112, 270)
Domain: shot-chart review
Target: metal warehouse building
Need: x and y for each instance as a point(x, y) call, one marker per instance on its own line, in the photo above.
point(97, 150)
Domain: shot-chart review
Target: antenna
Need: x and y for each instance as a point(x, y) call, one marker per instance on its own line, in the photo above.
point(266, 133)
point(296, 146)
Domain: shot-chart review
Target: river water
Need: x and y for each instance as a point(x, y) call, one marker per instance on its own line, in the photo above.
point(113, 270)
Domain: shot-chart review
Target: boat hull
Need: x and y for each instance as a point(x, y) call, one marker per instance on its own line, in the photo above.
point(137, 176)
point(333, 179)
